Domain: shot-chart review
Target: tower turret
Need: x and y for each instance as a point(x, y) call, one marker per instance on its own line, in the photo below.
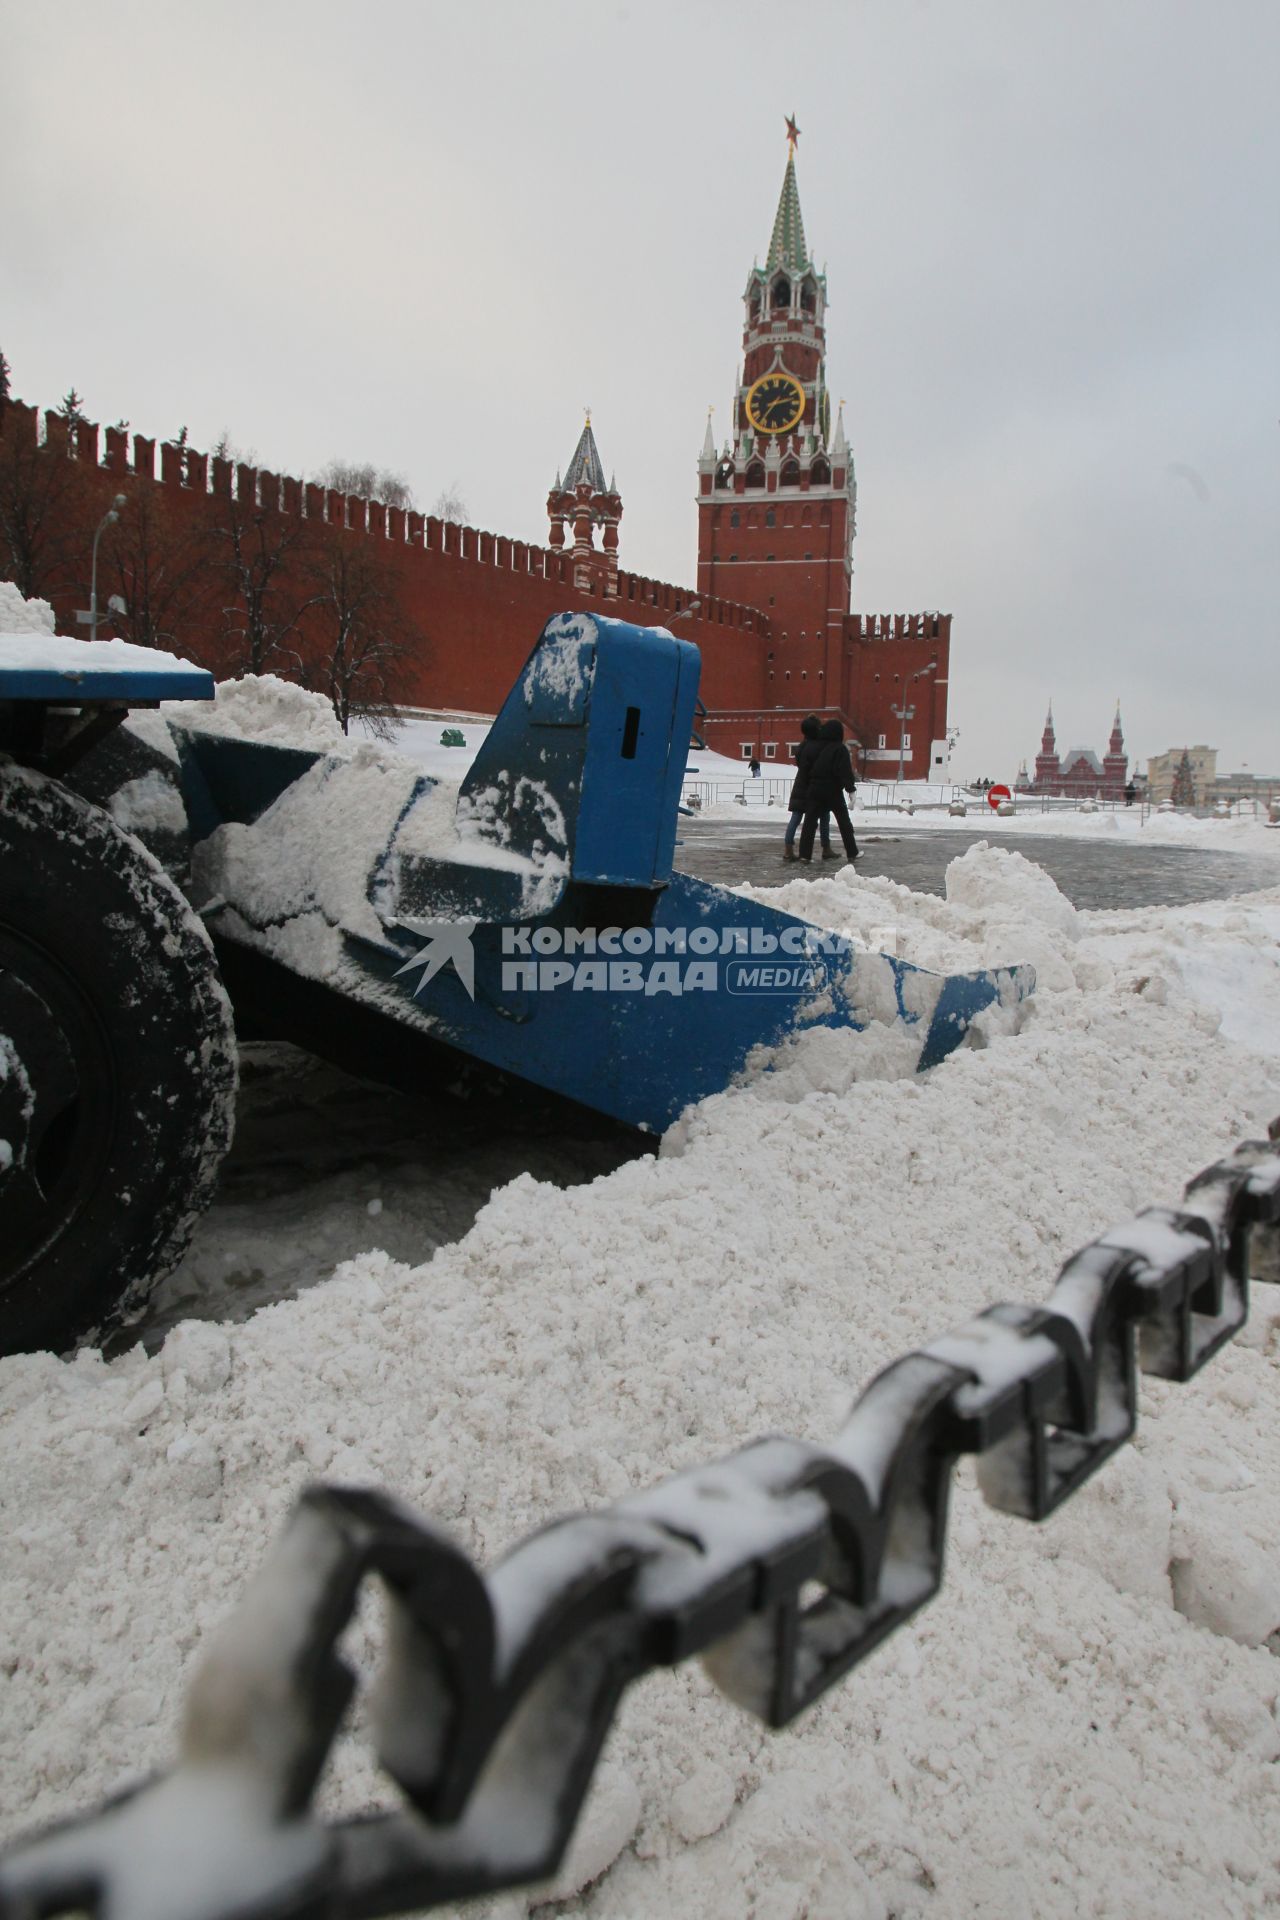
point(588, 501)
point(776, 507)
point(1048, 765)
point(1115, 762)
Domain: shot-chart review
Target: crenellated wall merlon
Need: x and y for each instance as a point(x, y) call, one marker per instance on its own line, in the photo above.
point(472, 574)
point(181, 466)
point(899, 626)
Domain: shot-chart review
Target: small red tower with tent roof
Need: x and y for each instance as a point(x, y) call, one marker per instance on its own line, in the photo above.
point(583, 498)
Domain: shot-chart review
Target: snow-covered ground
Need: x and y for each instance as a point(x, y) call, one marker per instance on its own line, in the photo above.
point(1243, 831)
point(1085, 1721)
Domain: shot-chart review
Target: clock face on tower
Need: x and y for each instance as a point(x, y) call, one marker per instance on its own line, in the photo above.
point(775, 403)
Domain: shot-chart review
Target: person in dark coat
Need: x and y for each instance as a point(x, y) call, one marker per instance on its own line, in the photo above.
point(830, 778)
point(806, 754)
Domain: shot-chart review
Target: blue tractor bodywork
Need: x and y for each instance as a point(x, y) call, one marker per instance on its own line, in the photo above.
point(540, 926)
point(524, 931)
point(547, 934)
point(74, 685)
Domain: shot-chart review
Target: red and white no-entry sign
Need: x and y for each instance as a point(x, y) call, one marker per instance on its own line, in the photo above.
point(996, 794)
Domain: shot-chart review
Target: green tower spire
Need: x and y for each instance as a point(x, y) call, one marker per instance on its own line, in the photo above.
point(786, 246)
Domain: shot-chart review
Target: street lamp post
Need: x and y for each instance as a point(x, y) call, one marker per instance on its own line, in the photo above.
point(904, 713)
point(109, 519)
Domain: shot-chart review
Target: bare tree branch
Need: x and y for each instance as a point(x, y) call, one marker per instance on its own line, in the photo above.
point(365, 641)
point(259, 558)
point(367, 481)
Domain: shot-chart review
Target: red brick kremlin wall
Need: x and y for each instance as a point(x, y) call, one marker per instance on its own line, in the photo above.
point(478, 600)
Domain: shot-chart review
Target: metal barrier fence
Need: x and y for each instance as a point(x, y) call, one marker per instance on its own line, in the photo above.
point(888, 796)
point(499, 1688)
point(768, 790)
point(762, 792)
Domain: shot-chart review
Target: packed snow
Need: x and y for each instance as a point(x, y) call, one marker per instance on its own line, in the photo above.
point(264, 707)
point(18, 615)
point(1085, 1720)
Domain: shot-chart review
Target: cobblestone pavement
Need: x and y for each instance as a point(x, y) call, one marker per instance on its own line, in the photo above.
point(1089, 872)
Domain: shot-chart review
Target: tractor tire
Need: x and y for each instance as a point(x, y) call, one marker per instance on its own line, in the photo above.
point(117, 1068)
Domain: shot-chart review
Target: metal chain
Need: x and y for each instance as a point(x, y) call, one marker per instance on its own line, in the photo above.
point(783, 1566)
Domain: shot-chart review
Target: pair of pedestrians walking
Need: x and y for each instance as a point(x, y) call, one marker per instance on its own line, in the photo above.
point(824, 775)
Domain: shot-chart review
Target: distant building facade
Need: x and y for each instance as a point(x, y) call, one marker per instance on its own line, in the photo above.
point(1079, 773)
point(1261, 787)
point(1162, 771)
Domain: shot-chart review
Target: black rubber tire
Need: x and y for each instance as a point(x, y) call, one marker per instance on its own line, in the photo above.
point(118, 1075)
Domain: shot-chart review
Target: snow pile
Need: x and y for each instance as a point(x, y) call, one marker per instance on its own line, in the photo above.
point(1009, 888)
point(1002, 897)
point(1083, 1722)
point(19, 615)
point(149, 804)
point(264, 707)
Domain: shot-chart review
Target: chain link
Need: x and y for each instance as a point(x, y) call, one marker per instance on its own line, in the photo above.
point(782, 1566)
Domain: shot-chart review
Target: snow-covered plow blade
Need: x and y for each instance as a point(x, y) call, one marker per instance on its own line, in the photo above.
point(535, 923)
point(782, 1567)
point(530, 921)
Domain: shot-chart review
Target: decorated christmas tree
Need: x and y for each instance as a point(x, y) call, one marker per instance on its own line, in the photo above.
point(1184, 791)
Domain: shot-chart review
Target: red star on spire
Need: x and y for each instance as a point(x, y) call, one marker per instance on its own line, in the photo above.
point(793, 131)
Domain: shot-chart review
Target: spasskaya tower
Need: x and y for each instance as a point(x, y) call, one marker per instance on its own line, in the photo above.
point(776, 509)
point(776, 502)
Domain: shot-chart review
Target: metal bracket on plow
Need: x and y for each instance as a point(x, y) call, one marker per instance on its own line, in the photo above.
point(498, 1689)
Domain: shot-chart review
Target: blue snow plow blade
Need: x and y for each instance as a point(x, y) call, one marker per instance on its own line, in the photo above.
point(539, 925)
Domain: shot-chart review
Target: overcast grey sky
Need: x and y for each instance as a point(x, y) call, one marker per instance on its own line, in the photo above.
point(428, 235)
